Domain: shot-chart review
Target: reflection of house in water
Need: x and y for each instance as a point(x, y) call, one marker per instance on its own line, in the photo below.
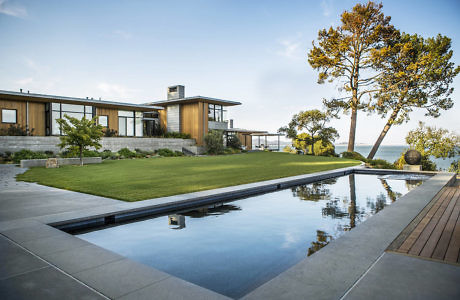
point(212, 210)
point(176, 220)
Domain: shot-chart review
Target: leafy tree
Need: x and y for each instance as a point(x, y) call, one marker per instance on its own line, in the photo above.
point(430, 141)
point(416, 73)
point(214, 142)
point(80, 134)
point(344, 53)
point(320, 147)
point(314, 123)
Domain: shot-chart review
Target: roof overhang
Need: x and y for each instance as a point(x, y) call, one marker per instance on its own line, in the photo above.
point(17, 96)
point(196, 99)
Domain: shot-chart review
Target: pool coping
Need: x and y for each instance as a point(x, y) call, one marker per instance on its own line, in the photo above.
point(306, 279)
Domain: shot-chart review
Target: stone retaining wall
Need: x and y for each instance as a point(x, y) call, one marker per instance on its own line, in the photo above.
point(27, 163)
point(49, 143)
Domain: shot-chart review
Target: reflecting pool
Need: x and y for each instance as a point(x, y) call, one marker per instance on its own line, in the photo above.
point(234, 247)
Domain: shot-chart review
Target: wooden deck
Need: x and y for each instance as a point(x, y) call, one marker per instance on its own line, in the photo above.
point(435, 233)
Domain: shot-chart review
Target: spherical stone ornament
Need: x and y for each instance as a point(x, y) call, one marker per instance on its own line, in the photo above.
point(413, 157)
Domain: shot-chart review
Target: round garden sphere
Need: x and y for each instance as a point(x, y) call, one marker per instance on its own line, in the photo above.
point(413, 157)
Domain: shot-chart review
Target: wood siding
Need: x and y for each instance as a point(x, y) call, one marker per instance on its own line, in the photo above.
point(112, 118)
point(20, 108)
point(37, 118)
point(246, 140)
point(194, 120)
point(163, 120)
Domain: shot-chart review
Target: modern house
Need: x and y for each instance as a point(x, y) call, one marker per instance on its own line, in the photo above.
point(37, 114)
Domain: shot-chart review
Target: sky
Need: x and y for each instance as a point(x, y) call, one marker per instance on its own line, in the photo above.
point(254, 52)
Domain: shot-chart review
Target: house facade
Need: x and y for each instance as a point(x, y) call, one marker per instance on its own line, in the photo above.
point(37, 114)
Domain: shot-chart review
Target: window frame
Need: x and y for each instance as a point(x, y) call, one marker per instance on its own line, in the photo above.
point(16, 116)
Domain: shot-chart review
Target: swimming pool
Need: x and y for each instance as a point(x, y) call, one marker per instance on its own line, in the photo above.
point(234, 247)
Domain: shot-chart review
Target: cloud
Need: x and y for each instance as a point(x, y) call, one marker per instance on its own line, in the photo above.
point(122, 34)
point(7, 8)
point(25, 81)
point(291, 47)
point(327, 7)
point(115, 90)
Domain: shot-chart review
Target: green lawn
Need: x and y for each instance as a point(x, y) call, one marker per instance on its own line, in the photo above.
point(140, 179)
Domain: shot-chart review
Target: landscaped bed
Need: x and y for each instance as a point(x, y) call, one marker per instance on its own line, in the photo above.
point(140, 179)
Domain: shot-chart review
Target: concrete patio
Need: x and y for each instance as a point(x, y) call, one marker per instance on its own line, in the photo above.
point(41, 262)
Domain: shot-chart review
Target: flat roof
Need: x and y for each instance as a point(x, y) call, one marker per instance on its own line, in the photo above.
point(196, 99)
point(242, 130)
point(83, 101)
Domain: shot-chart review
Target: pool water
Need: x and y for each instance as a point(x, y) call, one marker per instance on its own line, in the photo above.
point(234, 247)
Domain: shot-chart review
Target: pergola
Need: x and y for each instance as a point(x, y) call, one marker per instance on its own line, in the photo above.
point(265, 136)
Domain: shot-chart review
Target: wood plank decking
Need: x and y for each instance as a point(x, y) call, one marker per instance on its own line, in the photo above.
point(435, 233)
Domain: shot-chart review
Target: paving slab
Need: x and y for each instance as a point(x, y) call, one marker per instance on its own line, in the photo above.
point(14, 260)
point(53, 244)
point(397, 276)
point(173, 289)
point(120, 277)
point(30, 233)
point(76, 260)
point(47, 284)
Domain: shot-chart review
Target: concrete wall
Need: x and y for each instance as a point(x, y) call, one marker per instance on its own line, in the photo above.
point(49, 143)
point(217, 125)
point(27, 163)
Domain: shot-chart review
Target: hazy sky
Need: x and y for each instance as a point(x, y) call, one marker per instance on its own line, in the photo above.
point(249, 51)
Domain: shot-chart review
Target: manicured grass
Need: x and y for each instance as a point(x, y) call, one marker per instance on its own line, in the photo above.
point(140, 179)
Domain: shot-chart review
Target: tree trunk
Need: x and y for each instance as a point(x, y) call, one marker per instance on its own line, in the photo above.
point(313, 149)
point(384, 132)
point(81, 156)
point(351, 137)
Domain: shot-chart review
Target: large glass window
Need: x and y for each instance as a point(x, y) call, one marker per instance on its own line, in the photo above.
point(72, 110)
point(103, 121)
point(9, 116)
point(129, 123)
point(216, 113)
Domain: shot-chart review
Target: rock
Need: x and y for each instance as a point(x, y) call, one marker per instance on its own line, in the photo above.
point(52, 163)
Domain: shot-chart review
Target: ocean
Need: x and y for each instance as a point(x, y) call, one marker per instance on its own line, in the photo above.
point(392, 153)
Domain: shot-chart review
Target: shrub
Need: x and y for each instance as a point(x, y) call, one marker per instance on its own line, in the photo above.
point(289, 149)
point(455, 166)
point(126, 153)
point(353, 155)
point(177, 135)
point(27, 154)
point(106, 154)
point(233, 142)
point(381, 164)
point(214, 142)
point(16, 130)
point(6, 157)
point(427, 164)
point(109, 132)
point(166, 152)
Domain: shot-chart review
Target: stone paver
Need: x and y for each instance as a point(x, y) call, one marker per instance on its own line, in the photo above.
point(397, 276)
point(41, 262)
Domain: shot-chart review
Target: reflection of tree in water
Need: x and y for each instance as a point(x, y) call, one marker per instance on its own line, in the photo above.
point(322, 239)
point(412, 184)
point(215, 210)
point(314, 191)
point(377, 205)
point(335, 211)
point(391, 194)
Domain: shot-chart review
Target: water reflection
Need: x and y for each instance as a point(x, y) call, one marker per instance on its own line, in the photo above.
point(315, 191)
point(322, 239)
point(212, 210)
point(233, 247)
point(176, 220)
